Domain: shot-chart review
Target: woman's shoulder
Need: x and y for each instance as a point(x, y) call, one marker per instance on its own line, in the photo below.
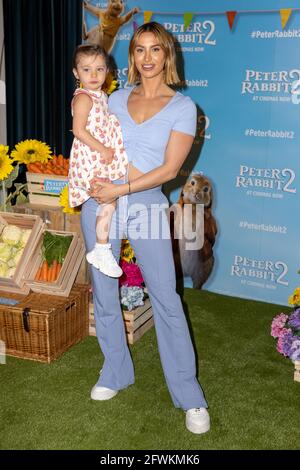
point(185, 102)
point(119, 95)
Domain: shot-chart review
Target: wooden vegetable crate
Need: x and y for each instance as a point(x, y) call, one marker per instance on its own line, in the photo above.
point(56, 219)
point(297, 371)
point(45, 189)
point(17, 284)
point(137, 322)
point(28, 265)
point(41, 327)
point(67, 275)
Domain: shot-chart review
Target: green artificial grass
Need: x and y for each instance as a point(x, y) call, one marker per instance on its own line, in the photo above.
point(253, 399)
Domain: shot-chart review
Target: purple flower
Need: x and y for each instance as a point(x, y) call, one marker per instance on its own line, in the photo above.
point(294, 319)
point(295, 349)
point(284, 341)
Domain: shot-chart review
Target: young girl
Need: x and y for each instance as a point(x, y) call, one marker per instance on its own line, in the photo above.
point(97, 148)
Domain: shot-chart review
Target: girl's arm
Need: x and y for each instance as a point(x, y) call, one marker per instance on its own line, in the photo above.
point(82, 105)
point(178, 148)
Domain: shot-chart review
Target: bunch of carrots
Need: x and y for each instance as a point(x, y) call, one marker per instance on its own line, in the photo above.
point(54, 250)
point(48, 273)
point(58, 165)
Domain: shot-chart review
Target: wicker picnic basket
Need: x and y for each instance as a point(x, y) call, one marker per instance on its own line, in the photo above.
point(41, 327)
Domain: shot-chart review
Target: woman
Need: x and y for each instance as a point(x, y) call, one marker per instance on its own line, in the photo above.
point(158, 126)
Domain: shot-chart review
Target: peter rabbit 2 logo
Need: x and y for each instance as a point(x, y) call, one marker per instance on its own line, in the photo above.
point(266, 182)
point(195, 37)
point(275, 86)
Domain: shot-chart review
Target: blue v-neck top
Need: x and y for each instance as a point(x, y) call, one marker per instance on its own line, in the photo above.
point(146, 143)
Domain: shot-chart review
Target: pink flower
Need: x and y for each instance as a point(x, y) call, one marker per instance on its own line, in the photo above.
point(132, 275)
point(278, 324)
point(281, 338)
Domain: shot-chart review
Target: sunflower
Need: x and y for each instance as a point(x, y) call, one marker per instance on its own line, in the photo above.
point(64, 202)
point(30, 151)
point(5, 163)
point(110, 84)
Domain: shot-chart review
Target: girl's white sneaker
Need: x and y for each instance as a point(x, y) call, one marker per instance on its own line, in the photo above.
point(102, 258)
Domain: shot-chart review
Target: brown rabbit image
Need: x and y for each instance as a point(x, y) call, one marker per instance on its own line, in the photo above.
point(110, 22)
point(196, 263)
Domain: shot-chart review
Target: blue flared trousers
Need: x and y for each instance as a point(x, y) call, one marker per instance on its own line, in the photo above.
point(141, 217)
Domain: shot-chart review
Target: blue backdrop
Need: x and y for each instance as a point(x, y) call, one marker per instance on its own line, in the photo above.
point(242, 81)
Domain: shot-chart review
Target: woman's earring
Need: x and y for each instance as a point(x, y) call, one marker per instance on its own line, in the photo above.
point(78, 83)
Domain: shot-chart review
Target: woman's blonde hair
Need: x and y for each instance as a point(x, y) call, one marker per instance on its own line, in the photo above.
point(166, 41)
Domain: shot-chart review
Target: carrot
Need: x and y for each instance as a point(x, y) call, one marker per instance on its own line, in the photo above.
point(60, 169)
point(34, 168)
point(60, 160)
point(44, 271)
point(58, 269)
point(53, 271)
point(38, 274)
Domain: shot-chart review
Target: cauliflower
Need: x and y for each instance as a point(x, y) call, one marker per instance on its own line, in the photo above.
point(25, 236)
point(5, 252)
point(11, 234)
point(10, 272)
point(11, 263)
point(3, 269)
point(2, 227)
point(17, 256)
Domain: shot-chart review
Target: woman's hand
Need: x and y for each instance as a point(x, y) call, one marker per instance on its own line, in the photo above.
point(107, 155)
point(103, 191)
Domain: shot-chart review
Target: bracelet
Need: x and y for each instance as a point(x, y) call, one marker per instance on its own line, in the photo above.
point(129, 190)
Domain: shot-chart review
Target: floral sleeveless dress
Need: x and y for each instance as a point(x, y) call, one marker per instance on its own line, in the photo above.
point(84, 162)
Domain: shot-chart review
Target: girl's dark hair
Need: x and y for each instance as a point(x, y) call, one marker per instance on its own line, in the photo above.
point(89, 50)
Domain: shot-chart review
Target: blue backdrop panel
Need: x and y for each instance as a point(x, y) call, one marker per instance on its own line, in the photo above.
point(245, 84)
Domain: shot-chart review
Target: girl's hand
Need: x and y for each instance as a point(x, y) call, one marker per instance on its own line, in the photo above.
point(107, 155)
point(103, 192)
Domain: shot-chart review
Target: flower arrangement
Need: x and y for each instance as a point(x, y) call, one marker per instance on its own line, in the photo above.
point(28, 151)
point(64, 202)
point(286, 329)
point(132, 288)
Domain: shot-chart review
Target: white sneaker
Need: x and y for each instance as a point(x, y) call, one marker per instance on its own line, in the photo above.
point(102, 393)
point(197, 420)
point(102, 258)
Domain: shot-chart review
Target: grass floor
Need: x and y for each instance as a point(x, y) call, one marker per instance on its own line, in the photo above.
point(253, 400)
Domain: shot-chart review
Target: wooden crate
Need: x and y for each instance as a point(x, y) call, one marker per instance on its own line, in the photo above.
point(45, 189)
point(297, 371)
point(56, 219)
point(137, 322)
point(17, 284)
point(63, 284)
point(72, 224)
point(40, 327)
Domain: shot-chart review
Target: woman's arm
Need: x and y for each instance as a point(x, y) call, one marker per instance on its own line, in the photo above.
point(81, 107)
point(178, 148)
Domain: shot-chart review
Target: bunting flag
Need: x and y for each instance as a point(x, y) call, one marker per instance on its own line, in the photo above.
point(135, 26)
point(187, 18)
point(147, 16)
point(285, 13)
point(231, 17)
